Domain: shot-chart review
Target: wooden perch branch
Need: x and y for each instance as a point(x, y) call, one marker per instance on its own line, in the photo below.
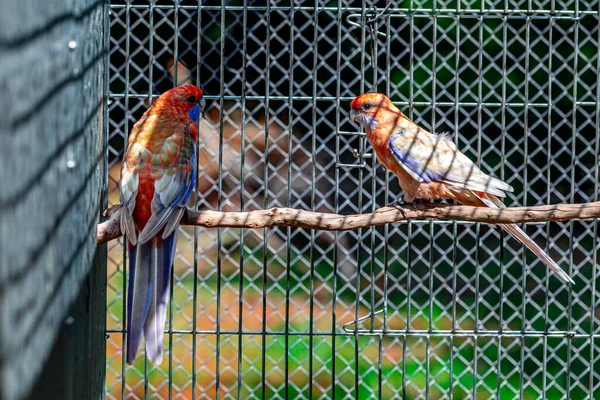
point(334, 222)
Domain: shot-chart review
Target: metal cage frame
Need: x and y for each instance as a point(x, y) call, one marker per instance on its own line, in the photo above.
point(426, 309)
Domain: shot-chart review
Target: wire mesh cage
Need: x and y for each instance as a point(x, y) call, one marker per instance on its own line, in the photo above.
point(425, 309)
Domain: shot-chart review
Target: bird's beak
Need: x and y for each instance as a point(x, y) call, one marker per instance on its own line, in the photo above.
point(353, 115)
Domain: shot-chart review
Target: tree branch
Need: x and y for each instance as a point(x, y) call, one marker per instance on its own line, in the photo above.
point(110, 229)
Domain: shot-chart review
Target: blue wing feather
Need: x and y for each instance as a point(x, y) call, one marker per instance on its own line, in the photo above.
point(412, 165)
point(163, 212)
point(188, 187)
point(435, 158)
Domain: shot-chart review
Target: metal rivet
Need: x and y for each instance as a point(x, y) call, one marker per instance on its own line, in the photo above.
point(69, 320)
point(71, 164)
point(72, 45)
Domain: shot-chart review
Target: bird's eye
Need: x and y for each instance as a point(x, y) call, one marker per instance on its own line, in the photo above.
point(366, 107)
point(191, 99)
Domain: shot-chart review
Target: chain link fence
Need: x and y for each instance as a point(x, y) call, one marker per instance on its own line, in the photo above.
point(421, 310)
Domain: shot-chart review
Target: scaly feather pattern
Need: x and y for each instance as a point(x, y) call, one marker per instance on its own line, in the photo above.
point(430, 166)
point(157, 180)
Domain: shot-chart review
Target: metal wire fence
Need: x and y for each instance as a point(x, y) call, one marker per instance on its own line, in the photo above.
point(418, 310)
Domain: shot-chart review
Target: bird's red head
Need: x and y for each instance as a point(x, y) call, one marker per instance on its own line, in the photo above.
point(189, 94)
point(181, 100)
point(373, 109)
point(186, 96)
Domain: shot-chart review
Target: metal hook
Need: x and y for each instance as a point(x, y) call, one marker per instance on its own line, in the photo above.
point(357, 321)
point(380, 15)
point(349, 21)
point(371, 21)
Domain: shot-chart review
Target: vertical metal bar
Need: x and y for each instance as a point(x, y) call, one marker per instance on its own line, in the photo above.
point(379, 366)
point(151, 56)
point(431, 228)
point(525, 188)
point(572, 197)
point(360, 204)
point(242, 188)
point(595, 228)
point(220, 202)
point(125, 259)
point(289, 204)
point(454, 223)
point(502, 155)
point(410, 224)
point(478, 226)
point(430, 317)
point(385, 227)
point(549, 190)
point(266, 200)
point(313, 178)
point(336, 199)
point(196, 202)
point(171, 282)
point(102, 256)
point(150, 101)
point(374, 67)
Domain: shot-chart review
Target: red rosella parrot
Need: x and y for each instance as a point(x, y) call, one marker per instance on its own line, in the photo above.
point(157, 179)
point(430, 166)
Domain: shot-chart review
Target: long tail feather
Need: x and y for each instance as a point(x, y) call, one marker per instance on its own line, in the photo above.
point(163, 252)
point(518, 234)
point(138, 297)
point(150, 272)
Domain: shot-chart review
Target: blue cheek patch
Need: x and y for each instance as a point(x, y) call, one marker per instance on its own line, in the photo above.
point(368, 121)
point(194, 113)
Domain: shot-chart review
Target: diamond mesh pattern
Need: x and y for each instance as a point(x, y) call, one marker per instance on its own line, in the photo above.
point(261, 314)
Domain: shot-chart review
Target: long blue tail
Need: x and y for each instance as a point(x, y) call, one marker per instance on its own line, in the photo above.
point(149, 275)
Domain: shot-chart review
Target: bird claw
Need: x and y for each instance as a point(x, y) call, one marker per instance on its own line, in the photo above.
point(399, 204)
point(419, 204)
